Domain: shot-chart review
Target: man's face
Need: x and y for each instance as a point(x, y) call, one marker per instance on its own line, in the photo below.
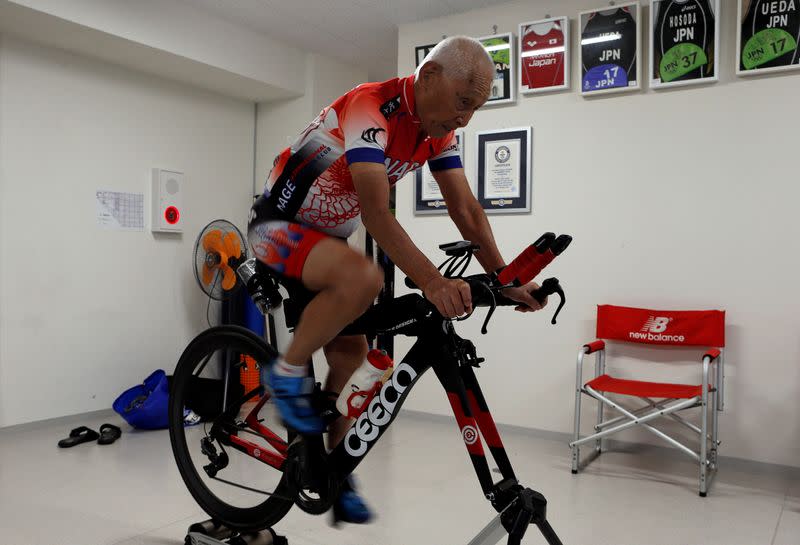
point(448, 104)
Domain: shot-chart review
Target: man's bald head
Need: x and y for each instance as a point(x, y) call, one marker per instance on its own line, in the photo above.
point(461, 58)
point(451, 83)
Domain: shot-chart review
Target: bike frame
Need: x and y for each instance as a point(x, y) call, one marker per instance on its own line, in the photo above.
point(452, 359)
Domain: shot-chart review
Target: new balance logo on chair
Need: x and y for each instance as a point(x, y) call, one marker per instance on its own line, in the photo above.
point(652, 331)
point(656, 324)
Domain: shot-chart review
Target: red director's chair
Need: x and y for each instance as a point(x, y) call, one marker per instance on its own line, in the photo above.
point(704, 328)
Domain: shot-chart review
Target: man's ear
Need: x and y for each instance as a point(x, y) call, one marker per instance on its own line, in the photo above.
point(429, 72)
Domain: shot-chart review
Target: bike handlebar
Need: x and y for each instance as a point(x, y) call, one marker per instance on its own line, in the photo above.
point(486, 289)
point(484, 294)
point(533, 259)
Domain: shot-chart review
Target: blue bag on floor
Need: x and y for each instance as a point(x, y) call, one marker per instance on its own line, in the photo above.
point(146, 405)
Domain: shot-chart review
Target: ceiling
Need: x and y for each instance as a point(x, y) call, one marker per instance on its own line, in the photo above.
point(362, 32)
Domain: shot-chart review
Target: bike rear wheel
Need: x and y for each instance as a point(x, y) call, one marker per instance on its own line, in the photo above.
point(222, 459)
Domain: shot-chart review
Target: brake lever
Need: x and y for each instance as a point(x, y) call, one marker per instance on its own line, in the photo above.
point(492, 308)
point(474, 283)
point(549, 287)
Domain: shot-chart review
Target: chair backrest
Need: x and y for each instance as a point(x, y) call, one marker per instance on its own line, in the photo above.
point(662, 327)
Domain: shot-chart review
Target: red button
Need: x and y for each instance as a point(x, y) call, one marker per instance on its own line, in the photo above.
point(172, 215)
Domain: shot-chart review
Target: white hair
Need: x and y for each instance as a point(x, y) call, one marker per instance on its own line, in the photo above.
point(460, 57)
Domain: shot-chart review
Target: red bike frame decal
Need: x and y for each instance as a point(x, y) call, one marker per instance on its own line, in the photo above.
point(259, 452)
point(485, 423)
point(252, 421)
point(467, 425)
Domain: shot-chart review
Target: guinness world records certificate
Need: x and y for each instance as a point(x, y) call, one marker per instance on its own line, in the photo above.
point(428, 197)
point(504, 170)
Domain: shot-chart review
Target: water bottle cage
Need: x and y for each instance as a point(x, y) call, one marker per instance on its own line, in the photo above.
point(355, 412)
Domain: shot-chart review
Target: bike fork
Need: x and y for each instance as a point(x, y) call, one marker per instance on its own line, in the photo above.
point(518, 506)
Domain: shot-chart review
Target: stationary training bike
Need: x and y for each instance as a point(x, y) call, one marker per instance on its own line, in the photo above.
point(219, 460)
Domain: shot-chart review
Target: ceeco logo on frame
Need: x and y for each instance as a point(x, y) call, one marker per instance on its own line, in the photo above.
point(379, 413)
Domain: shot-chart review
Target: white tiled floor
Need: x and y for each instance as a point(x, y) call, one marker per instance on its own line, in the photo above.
point(419, 480)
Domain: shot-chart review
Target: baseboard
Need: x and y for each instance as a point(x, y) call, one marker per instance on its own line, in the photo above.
point(743, 464)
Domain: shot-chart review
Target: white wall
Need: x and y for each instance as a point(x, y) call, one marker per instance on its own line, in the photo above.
point(85, 313)
point(680, 199)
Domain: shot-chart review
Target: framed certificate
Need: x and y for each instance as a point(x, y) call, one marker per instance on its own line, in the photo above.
point(420, 52)
point(609, 53)
point(504, 170)
point(544, 55)
point(684, 42)
point(769, 36)
point(428, 199)
point(500, 48)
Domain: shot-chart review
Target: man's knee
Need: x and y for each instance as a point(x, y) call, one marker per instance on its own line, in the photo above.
point(360, 279)
point(373, 279)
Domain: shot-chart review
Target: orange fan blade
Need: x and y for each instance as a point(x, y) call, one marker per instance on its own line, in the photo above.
point(208, 274)
point(212, 242)
point(229, 280)
point(232, 246)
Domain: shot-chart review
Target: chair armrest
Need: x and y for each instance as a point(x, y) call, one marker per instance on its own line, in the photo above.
point(594, 346)
point(712, 353)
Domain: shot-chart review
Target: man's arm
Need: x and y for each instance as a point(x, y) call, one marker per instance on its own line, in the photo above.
point(452, 298)
point(469, 216)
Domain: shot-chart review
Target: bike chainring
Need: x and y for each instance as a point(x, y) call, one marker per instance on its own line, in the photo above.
point(311, 484)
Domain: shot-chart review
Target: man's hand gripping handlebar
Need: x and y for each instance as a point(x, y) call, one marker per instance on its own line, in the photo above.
point(487, 288)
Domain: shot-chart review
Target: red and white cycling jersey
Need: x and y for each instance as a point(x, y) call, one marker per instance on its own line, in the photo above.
point(310, 181)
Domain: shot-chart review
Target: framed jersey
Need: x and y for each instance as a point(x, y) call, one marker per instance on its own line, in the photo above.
point(544, 55)
point(428, 199)
point(769, 36)
point(684, 42)
point(500, 47)
point(609, 53)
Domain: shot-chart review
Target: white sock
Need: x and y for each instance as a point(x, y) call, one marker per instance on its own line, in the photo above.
point(288, 370)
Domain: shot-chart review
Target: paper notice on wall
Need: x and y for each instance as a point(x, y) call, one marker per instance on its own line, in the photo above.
point(120, 211)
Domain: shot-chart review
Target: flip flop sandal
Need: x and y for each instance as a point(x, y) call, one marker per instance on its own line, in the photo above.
point(78, 436)
point(108, 434)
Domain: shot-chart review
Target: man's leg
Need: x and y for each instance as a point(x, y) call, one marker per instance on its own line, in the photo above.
point(344, 355)
point(347, 283)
